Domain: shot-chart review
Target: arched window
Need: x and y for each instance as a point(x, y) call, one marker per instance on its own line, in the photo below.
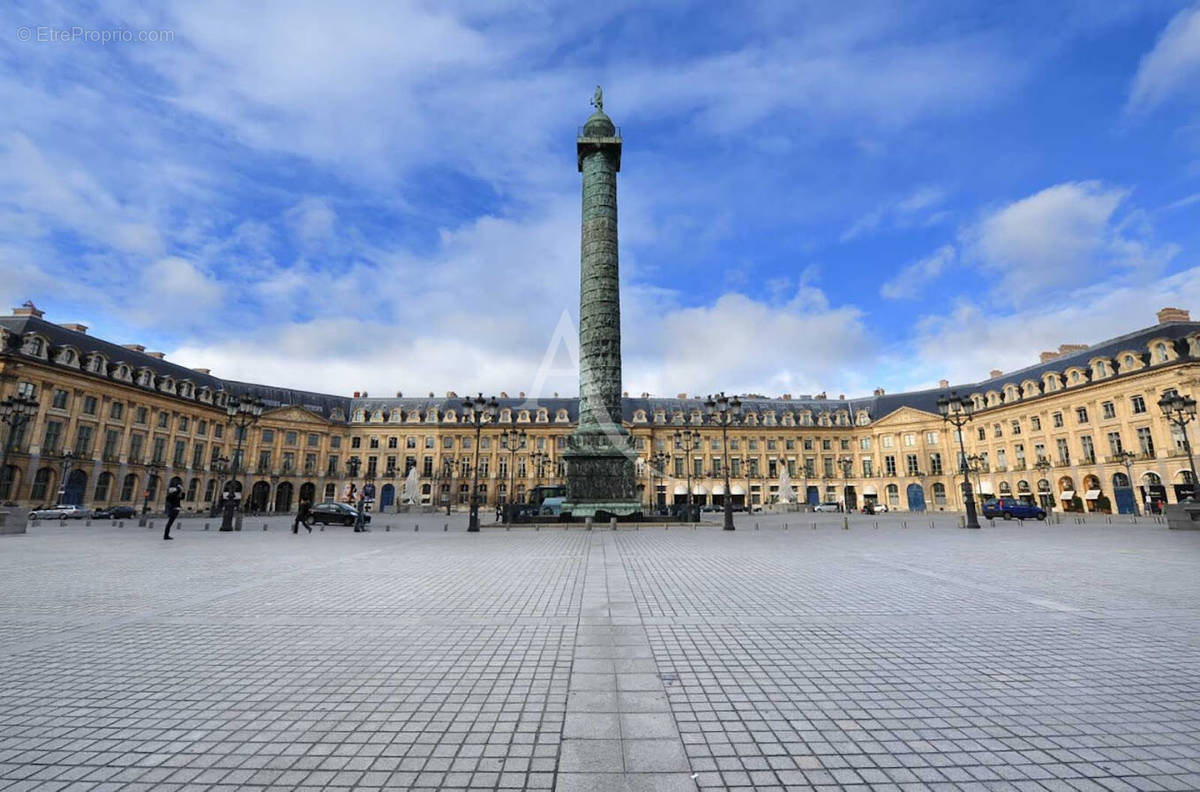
point(210, 490)
point(127, 487)
point(1160, 352)
point(193, 488)
point(103, 485)
point(893, 495)
point(939, 493)
point(41, 485)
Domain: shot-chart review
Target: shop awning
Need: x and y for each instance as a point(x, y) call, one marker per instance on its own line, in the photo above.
point(718, 489)
point(699, 489)
point(737, 489)
point(1067, 494)
point(681, 489)
point(1092, 495)
point(869, 489)
point(985, 488)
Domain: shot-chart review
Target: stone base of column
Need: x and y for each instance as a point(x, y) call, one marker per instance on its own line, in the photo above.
point(601, 478)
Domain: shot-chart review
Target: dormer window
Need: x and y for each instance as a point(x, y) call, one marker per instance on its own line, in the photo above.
point(543, 416)
point(377, 416)
point(360, 415)
point(806, 418)
point(449, 416)
point(1160, 352)
point(523, 416)
point(395, 417)
point(639, 416)
point(561, 417)
point(506, 415)
point(431, 415)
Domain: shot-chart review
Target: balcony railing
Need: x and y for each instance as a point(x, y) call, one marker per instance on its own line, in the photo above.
point(1063, 462)
point(1088, 459)
point(1146, 455)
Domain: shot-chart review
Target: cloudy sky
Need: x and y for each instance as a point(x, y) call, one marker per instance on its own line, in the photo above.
point(814, 196)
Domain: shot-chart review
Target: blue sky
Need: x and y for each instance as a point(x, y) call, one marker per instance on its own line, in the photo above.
point(813, 196)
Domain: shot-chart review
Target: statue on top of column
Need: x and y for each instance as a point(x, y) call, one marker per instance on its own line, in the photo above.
point(598, 99)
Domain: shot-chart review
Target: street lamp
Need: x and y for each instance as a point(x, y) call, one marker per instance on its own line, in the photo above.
point(479, 410)
point(515, 439)
point(687, 442)
point(242, 413)
point(16, 411)
point(540, 460)
point(957, 412)
point(220, 465)
point(1042, 466)
point(446, 474)
point(353, 463)
point(726, 410)
point(846, 463)
point(151, 467)
point(1180, 411)
point(1126, 458)
point(658, 467)
point(67, 457)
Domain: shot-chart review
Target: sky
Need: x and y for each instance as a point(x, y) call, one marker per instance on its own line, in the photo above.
point(814, 196)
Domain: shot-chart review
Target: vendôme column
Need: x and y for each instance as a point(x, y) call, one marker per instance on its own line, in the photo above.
point(600, 469)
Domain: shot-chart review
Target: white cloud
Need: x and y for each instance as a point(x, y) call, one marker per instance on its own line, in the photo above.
point(909, 280)
point(1065, 235)
point(918, 208)
point(1172, 67)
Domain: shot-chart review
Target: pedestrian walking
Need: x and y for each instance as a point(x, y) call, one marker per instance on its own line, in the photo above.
point(301, 516)
point(174, 497)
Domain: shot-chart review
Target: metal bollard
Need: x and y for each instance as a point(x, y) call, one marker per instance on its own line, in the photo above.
point(904, 523)
point(206, 526)
point(264, 526)
point(845, 522)
point(322, 527)
point(121, 524)
point(612, 523)
point(151, 526)
point(756, 526)
point(445, 527)
point(416, 528)
point(387, 528)
point(87, 523)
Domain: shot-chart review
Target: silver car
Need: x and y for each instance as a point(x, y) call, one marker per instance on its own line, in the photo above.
point(65, 512)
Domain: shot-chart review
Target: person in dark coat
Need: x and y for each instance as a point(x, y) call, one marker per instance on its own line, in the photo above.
point(174, 498)
point(302, 511)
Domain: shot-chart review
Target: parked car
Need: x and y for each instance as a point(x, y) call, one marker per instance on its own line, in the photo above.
point(65, 512)
point(1008, 508)
point(115, 513)
point(337, 513)
point(827, 507)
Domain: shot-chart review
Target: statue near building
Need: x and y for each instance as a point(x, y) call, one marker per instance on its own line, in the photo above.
point(787, 493)
point(412, 487)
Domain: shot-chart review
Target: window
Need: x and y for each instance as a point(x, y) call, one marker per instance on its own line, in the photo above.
point(910, 440)
point(1064, 454)
point(997, 430)
point(127, 487)
point(289, 461)
point(982, 433)
point(430, 444)
point(291, 438)
point(112, 441)
point(198, 455)
point(313, 440)
point(864, 443)
point(1057, 420)
point(83, 441)
point(136, 444)
point(867, 468)
point(59, 401)
point(1016, 427)
point(698, 467)
point(333, 466)
point(103, 483)
point(1108, 409)
point(201, 428)
point(886, 441)
point(218, 431)
point(447, 442)
point(889, 466)
point(143, 415)
point(41, 483)
point(1089, 450)
point(355, 442)
point(53, 439)
point(1114, 443)
point(310, 463)
point(160, 449)
point(183, 423)
point(394, 442)
point(374, 442)
point(910, 464)
point(89, 405)
point(116, 410)
point(827, 464)
point(1081, 415)
point(935, 464)
point(1138, 403)
point(335, 442)
point(1035, 423)
point(264, 460)
point(825, 445)
point(163, 418)
point(931, 438)
point(1145, 441)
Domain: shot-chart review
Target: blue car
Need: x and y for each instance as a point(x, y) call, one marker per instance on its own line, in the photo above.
point(1008, 508)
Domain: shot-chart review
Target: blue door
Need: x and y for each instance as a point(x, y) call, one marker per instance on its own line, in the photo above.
point(812, 496)
point(1124, 497)
point(916, 498)
point(387, 496)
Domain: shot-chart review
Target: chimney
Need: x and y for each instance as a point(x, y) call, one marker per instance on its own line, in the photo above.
point(1173, 315)
point(681, 396)
point(995, 373)
point(879, 391)
point(521, 395)
point(503, 394)
point(156, 355)
point(364, 394)
point(203, 370)
point(1048, 356)
point(451, 395)
point(356, 394)
point(135, 347)
point(625, 394)
point(28, 309)
point(841, 397)
point(399, 395)
point(1064, 349)
point(78, 328)
point(787, 397)
point(943, 383)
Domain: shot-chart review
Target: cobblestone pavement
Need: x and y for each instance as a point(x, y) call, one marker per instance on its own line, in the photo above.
point(897, 657)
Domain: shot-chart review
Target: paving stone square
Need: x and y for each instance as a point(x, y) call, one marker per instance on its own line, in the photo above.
point(788, 655)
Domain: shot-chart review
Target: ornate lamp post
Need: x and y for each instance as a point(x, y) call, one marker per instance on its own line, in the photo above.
point(516, 440)
point(446, 474)
point(242, 413)
point(726, 410)
point(151, 467)
point(688, 441)
point(957, 412)
point(479, 410)
point(67, 457)
point(658, 468)
point(540, 459)
point(1126, 458)
point(1042, 466)
point(220, 465)
point(353, 463)
point(1180, 411)
point(846, 463)
point(16, 411)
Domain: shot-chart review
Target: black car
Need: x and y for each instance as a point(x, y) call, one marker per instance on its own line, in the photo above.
point(334, 512)
point(115, 513)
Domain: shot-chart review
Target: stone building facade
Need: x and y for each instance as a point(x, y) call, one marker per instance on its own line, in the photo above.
point(116, 423)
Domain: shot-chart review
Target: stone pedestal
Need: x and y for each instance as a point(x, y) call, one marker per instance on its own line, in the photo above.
point(5, 528)
point(1183, 516)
